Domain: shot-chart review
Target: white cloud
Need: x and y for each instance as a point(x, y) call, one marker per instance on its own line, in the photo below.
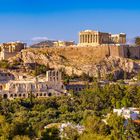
point(39, 38)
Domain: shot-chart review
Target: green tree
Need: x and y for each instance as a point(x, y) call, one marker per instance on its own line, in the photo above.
point(116, 124)
point(70, 133)
point(4, 64)
point(137, 41)
point(94, 124)
point(18, 137)
point(5, 128)
point(132, 130)
point(138, 76)
point(51, 134)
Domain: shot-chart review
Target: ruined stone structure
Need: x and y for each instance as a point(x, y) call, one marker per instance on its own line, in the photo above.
point(63, 43)
point(10, 49)
point(77, 86)
point(95, 38)
point(54, 80)
point(118, 38)
point(6, 76)
point(24, 88)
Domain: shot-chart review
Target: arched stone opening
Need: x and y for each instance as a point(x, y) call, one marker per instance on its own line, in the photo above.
point(11, 95)
point(5, 96)
point(49, 94)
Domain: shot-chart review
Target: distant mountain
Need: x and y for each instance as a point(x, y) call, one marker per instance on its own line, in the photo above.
point(43, 44)
point(131, 41)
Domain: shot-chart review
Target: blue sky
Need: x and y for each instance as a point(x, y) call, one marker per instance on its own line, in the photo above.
point(28, 20)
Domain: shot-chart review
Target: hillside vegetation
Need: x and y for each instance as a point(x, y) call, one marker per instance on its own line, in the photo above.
point(25, 119)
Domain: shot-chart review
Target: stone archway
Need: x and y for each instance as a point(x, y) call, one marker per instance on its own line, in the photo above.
point(5, 96)
point(49, 94)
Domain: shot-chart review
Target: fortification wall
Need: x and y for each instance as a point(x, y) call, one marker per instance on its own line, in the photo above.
point(133, 52)
point(6, 55)
point(114, 50)
point(125, 51)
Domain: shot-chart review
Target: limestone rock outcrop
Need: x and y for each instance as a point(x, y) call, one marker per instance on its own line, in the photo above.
point(80, 60)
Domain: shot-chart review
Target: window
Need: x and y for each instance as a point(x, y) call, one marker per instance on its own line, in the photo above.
point(14, 86)
point(49, 94)
point(54, 73)
point(54, 78)
point(50, 78)
point(57, 73)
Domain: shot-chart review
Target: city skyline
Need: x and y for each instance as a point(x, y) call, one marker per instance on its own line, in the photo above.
point(61, 20)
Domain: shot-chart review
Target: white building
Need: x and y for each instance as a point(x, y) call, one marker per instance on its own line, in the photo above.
point(128, 113)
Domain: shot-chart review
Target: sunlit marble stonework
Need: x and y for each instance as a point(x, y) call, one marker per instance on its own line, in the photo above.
point(95, 38)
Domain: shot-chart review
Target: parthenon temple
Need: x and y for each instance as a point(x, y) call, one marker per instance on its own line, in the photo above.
point(95, 38)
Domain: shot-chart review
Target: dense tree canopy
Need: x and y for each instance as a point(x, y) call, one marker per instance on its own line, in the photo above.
point(21, 119)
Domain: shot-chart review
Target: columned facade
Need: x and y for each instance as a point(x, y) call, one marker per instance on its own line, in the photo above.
point(95, 38)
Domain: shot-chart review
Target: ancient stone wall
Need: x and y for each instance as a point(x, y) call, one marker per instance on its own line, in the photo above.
point(6, 55)
point(133, 52)
point(115, 51)
point(125, 51)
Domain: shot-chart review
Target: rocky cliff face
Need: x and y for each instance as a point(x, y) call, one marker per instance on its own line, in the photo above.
point(87, 60)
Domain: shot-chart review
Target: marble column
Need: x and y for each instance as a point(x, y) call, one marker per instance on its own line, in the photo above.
point(85, 38)
point(91, 38)
point(82, 38)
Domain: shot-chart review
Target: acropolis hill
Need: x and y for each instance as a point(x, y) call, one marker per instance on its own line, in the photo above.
point(96, 52)
point(89, 60)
